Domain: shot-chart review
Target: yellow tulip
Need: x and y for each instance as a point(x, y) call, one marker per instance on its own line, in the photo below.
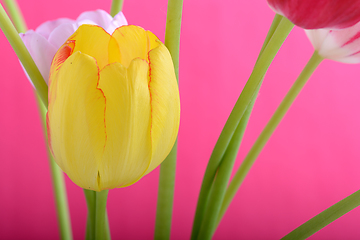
point(114, 108)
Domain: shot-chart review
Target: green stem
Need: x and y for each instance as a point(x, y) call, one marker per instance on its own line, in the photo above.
point(167, 169)
point(324, 218)
point(56, 173)
point(280, 112)
point(165, 199)
point(172, 31)
point(24, 55)
point(208, 225)
point(221, 180)
point(247, 95)
point(116, 7)
point(100, 214)
point(274, 25)
point(16, 16)
point(90, 197)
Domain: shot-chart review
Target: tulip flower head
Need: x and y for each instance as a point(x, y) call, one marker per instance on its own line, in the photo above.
point(314, 14)
point(43, 43)
point(342, 45)
point(114, 109)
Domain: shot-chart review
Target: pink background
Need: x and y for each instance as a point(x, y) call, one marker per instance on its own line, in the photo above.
point(310, 163)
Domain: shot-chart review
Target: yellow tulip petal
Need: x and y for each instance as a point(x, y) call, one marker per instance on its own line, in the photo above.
point(134, 42)
point(165, 104)
point(93, 41)
point(153, 41)
point(61, 55)
point(76, 119)
point(127, 152)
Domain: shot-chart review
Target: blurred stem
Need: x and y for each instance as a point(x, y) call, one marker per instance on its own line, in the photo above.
point(24, 55)
point(167, 169)
point(90, 197)
point(259, 144)
point(56, 173)
point(16, 16)
point(324, 218)
point(116, 7)
point(58, 182)
point(277, 34)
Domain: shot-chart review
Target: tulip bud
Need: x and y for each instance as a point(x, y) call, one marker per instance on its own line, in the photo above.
point(43, 43)
point(114, 108)
point(314, 14)
point(342, 45)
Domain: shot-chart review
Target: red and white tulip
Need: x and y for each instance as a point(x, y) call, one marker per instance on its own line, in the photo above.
point(314, 14)
point(342, 45)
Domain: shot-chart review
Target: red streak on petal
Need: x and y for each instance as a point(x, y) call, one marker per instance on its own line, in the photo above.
point(356, 36)
point(354, 54)
point(102, 92)
point(151, 103)
point(63, 53)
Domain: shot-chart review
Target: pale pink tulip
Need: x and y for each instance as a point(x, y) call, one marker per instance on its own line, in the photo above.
point(342, 45)
point(44, 42)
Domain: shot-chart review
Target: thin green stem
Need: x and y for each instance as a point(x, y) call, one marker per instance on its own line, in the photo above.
point(167, 169)
point(90, 197)
point(100, 214)
point(172, 31)
point(56, 173)
point(16, 16)
point(247, 95)
point(221, 180)
point(165, 199)
point(208, 225)
point(116, 7)
point(274, 25)
point(280, 112)
point(24, 55)
point(324, 218)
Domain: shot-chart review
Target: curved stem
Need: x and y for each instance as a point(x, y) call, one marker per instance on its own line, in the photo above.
point(216, 196)
point(247, 95)
point(221, 180)
point(324, 218)
point(167, 169)
point(280, 112)
point(24, 55)
point(116, 7)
